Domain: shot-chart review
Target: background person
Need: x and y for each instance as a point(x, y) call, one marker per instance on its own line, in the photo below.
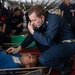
point(61, 5)
point(65, 11)
point(73, 18)
point(13, 22)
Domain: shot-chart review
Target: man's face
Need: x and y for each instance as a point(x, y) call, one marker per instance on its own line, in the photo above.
point(36, 21)
point(63, 0)
point(17, 13)
point(27, 58)
point(67, 1)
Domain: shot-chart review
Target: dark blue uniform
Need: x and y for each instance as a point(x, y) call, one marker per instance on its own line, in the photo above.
point(67, 14)
point(61, 6)
point(6, 60)
point(11, 24)
point(49, 39)
point(73, 19)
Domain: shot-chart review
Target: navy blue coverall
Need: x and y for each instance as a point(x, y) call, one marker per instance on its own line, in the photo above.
point(49, 39)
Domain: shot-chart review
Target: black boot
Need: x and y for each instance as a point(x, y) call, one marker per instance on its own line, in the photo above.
point(67, 69)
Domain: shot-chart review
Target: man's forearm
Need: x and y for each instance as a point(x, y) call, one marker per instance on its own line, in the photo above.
point(4, 27)
point(20, 23)
point(29, 39)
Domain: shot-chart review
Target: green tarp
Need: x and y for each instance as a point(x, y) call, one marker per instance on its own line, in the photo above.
point(18, 39)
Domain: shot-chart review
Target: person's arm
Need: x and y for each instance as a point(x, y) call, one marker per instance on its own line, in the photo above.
point(27, 41)
point(20, 24)
point(62, 7)
point(24, 44)
point(20, 21)
point(49, 34)
point(13, 50)
point(4, 27)
point(6, 22)
point(62, 13)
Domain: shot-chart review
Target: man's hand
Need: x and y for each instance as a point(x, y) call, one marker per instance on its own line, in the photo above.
point(31, 28)
point(11, 50)
point(18, 26)
point(72, 10)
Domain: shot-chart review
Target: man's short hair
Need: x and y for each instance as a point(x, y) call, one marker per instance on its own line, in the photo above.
point(16, 9)
point(38, 9)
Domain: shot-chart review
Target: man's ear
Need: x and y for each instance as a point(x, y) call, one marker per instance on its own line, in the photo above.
point(41, 16)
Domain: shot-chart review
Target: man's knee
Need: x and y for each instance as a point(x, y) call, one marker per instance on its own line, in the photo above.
point(42, 60)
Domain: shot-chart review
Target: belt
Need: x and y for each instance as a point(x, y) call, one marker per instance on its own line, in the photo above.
point(69, 41)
